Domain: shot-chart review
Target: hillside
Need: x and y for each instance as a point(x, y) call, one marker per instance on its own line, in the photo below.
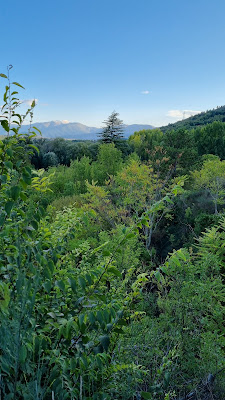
point(204, 118)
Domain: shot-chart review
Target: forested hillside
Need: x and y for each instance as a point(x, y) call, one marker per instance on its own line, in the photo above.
point(112, 263)
point(207, 117)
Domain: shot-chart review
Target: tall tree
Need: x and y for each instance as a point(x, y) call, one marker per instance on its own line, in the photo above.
point(113, 131)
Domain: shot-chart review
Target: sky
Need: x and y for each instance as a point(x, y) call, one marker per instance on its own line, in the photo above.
point(153, 61)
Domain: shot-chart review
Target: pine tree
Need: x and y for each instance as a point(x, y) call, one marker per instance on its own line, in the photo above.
point(113, 131)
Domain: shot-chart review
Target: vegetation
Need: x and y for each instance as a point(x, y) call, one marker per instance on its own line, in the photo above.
point(111, 264)
point(113, 131)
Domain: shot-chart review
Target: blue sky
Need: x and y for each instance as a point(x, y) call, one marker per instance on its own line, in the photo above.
point(148, 59)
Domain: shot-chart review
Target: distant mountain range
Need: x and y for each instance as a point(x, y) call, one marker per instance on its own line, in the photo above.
point(75, 130)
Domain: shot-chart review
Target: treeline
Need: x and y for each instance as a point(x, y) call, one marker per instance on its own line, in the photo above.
point(52, 152)
point(187, 146)
point(184, 147)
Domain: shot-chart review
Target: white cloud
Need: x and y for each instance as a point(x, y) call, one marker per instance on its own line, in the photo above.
point(182, 113)
point(145, 92)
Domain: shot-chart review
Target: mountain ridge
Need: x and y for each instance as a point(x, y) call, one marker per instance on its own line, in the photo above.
point(76, 130)
point(201, 119)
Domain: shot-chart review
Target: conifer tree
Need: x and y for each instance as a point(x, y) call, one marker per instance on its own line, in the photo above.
point(113, 131)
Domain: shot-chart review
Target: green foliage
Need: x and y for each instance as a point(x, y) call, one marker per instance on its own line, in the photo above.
point(59, 318)
point(108, 163)
point(92, 306)
point(212, 178)
point(50, 159)
point(210, 139)
point(145, 141)
point(65, 150)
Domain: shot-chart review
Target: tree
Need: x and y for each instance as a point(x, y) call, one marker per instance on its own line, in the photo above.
point(210, 139)
point(140, 189)
point(212, 178)
point(109, 162)
point(145, 141)
point(50, 159)
point(113, 131)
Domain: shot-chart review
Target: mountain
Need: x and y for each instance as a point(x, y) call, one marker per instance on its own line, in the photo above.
point(75, 130)
point(66, 130)
point(204, 118)
point(130, 129)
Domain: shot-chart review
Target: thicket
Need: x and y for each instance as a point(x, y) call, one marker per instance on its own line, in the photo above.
point(111, 264)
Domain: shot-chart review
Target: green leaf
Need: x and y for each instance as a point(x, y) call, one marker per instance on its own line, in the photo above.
point(8, 207)
point(15, 130)
point(164, 269)
point(114, 271)
point(104, 340)
point(61, 285)
point(145, 222)
point(2, 219)
point(91, 318)
point(52, 315)
point(73, 285)
point(82, 282)
point(158, 275)
point(47, 286)
point(18, 164)
point(81, 319)
point(23, 196)
point(146, 395)
point(130, 235)
point(5, 125)
point(23, 354)
point(34, 224)
point(15, 192)
point(26, 179)
point(8, 164)
point(3, 76)
point(18, 84)
point(37, 216)
point(98, 349)
point(24, 184)
point(3, 178)
point(51, 266)
point(34, 127)
point(181, 255)
point(106, 253)
point(119, 330)
point(9, 152)
point(33, 147)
